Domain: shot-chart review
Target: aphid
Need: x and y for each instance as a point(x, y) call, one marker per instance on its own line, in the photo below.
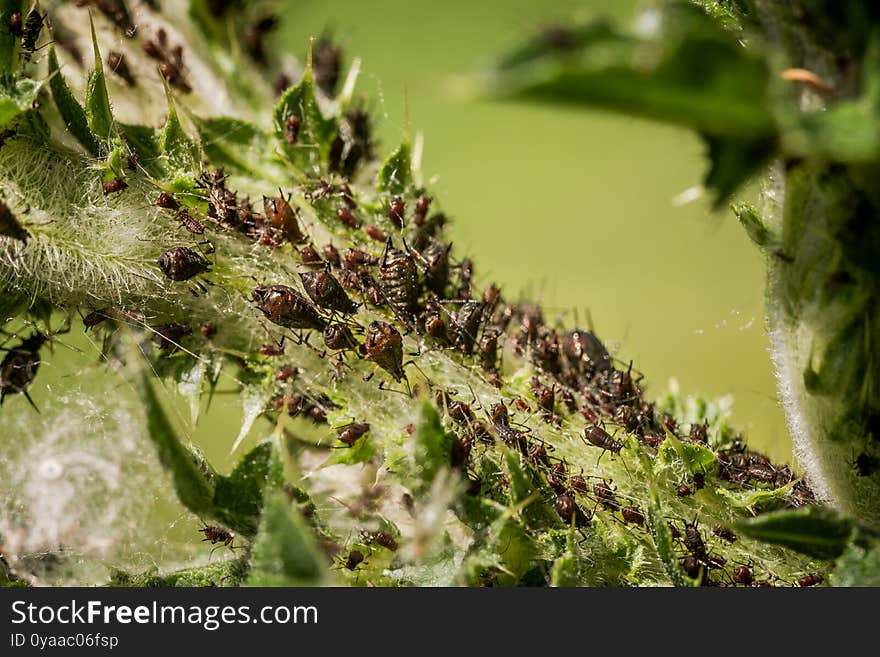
point(181, 263)
point(347, 195)
point(113, 186)
point(170, 335)
point(396, 210)
point(398, 279)
point(673, 531)
point(632, 515)
point(352, 432)
point(694, 542)
point(568, 509)
point(435, 265)
point(189, 222)
point(384, 346)
point(743, 575)
point(167, 201)
point(422, 204)
point(865, 464)
point(435, 327)
point(117, 13)
point(272, 349)
point(579, 484)
point(217, 534)
point(284, 306)
point(585, 348)
point(466, 325)
point(810, 579)
point(352, 145)
point(208, 329)
point(96, 317)
point(699, 433)
point(460, 451)
point(465, 278)
point(19, 367)
point(381, 538)
point(339, 337)
point(682, 490)
point(354, 559)
point(16, 24)
point(346, 216)
point(291, 129)
point(170, 64)
point(253, 37)
point(331, 254)
point(326, 63)
point(375, 233)
point(355, 258)
point(310, 256)
point(489, 351)
point(324, 289)
point(33, 25)
point(691, 566)
point(546, 396)
point(605, 496)
point(598, 437)
point(699, 480)
point(722, 532)
point(556, 478)
point(280, 215)
point(117, 64)
point(537, 453)
point(10, 226)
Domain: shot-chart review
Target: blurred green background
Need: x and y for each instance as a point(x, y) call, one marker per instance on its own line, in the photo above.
point(572, 207)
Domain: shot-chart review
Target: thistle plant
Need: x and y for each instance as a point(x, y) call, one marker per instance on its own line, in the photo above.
point(218, 221)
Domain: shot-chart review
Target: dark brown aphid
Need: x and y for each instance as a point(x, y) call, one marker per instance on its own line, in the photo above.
point(351, 433)
point(217, 534)
point(33, 25)
point(489, 351)
point(682, 490)
point(461, 451)
point(584, 348)
point(598, 437)
point(556, 478)
point(291, 129)
point(96, 317)
point(699, 480)
point(435, 327)
point(375, 233)
point(117, 12)
point(396, 211)
point(181, 263)
point(673, 531)
point(280, 216)
point(284, 306)
point(354, 559)
point(381, 538)
point(722, 532)
point(579, 484)
point(398, 279)
point(699, 433)
point(170, 62)
point(189, 222)
point(632, 515)
point(537, 453)
point(384, 346)
point(167, 201)
point(810, 579)
point(694, 542)
point(692, 566)
point(10, 226)
point(323, 288)
point(546, 396)
point(115, 185)
point(286, 373)
point(355, 258)
point(347, 196)
point(326, 63)
point(253, 37)
point(605, 496)
point(346, 216)
point(170, 335)
point(568, 510)
point(466, 325)
point(117, 64)
point(339, 337)
point(310, 256)
point(423, 203)
point(272, 349)
point(743, 575)
point(208, 329)
point(865, 465)
point(331, 253)
point(19, 367)
point(134, 159)
point(16, 24)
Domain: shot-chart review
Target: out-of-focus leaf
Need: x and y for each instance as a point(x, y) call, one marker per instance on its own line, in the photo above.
point(815, 531)
point(659, 529)
point(756, 500)
point(71, 111)
point(431, 449)
point(755, 226)
point(8, 50)
point(219, 573)
point(858, 566)
point(16, 97)
point(238, 498)
point(732, 162)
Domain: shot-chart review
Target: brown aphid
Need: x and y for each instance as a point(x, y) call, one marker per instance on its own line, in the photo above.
point(189, 222)
point(699, 433)
point(435, 327)
point(280, 215)
point(16, 24)
point(386, 540)
point(331, 253)
point(339, 337)
point(374, 232)
point(811, 579)
point(19, 367)
point(117, 13)
point(324, 289)
point(253, 37)
point(693, 541)
point(217, 534)
point(556, 478)
point(423, 203)
point(310, 256)
point(673, 531)
point(579, 484)
point(326, 64)
point(354, 559)
point(347, 195)
point(605, 496)
point(699, 480)
point(434, 262)
point(722, 532)
point(460, 451)
point(291, 129)
point(537, 453)
point(10, 226)
point(167, 201)
point(683, 490)
point(384, 346)
point(466, 325)
point(272, 349)
point(568, 510)
point(208, 329)
point(692, 566)
point(284, 306)
point(97, 316)
point(489, 351)
point(170, 335)
point(743, 575)
point(114, 186)
point(353, 432)
point(117, 64)
point(181, 263)
point(598, 437)
point(632, 515)
point(396, 210)
point(286, 373)
point(545, 395)
point(346, 216)
point(355, 258)
point(33, 25)
point(352, 145)
point(398, 279)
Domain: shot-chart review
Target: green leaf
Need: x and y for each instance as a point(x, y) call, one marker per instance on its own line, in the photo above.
point(100, 117)
point(145, 141)
point(8, 45)
point(284, 550)
point(815, 531)
point(756, 500)
point(528, 490)
point(657, 524)
point(236, 145)
point(238, 498)
point(194, 478)
point(732, 162)
point(432, 446)
point(396, 172)
point(755, 225)
point(858, 566)
point(174, 143)
point(219, 573)
point(315, 132)
point(71, 111)
point(16, 98)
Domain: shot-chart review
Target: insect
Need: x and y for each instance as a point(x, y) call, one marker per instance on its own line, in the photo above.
point(310, 256)
point(347, 196)
point(189, 222)
point(170, 60)
point(423, 203)
point(181, 263)
point(699, 480)
point(465, 278)
point(682, 490)
point(208, 329)
point(435, 265)
point(743, 575)
point(167, 201)
point(323, 288)
point(632, 515)
point(579, 484)
point(466, 325)
point(253, 37)
point(354, 559)
point(398, 279)
point(585, 349)
point(16, 24)
point(489, 351)
point(286, 373)
point(217, 535)
point(811, 579)
point(272, 349)
point(19, 367)
point(291, 129)
point(693, 541)
point(284, 306)
point(606, 496)
point(33, 25)
point(352, 145)
point(545, 395)
point(117, 64)
point(699, 433)
point(384, 346)
point(598, 437)
point(692, 566)
point(114, 186)
point(331, 253)
point(568, 510)
point(280, 216)
point(722, 532)
point(346, 216)
point(355, 258)
point(10, 226)
point(170, 335)
point(396, 210)
point(375, 233)
point(326, 63)
point(460, 451)
point(117, 12)
point(339, 337)
point(96, 317)
point(353, 432)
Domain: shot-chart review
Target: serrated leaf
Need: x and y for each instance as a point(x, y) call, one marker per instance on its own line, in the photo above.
point(396, 172)
point(145, 141)
point(815, 531)
point(659, 529)
point(178, 149)
point(98, 113)
point(315, 131)
point(284, 550)
point(696, 458)
point(756, 500)
point(72, 113)
point(237, 145)
point(363, 450)
point(528, 490)
point(238, 498)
